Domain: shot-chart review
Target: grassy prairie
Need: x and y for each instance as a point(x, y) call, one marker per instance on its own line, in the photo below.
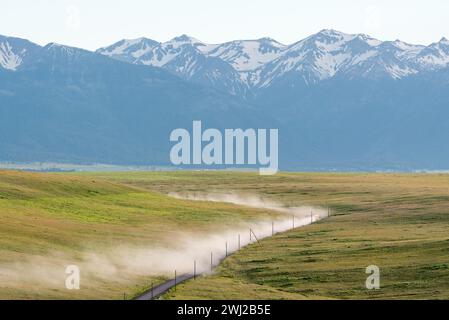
point(399, 222)
point(49, 221)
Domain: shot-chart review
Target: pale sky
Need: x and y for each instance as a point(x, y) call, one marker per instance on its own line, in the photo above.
point(91, 24)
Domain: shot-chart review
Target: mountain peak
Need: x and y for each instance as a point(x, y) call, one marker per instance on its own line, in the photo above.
point(334, 34)
point(330, 36)
point(52, 45)
point(330, 32)
point(444, 40)
point(271, 41)
point(185, 39)
point(266, 39)
point(57, 48)
point(369, 40)
point(140, 40)
point(55, 45)
point(129, 49)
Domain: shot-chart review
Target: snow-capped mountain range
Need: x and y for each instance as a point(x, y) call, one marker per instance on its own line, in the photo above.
point(243, 67)
point(252, 64)
point(339, 100)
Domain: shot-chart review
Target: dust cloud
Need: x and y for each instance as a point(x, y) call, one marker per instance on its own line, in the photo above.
point(124, 262)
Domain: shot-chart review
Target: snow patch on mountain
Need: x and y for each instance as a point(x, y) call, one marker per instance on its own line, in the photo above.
point(246, 55)
point(8, 58)
point(121, 47)
point(434, 56)
point(363, 57)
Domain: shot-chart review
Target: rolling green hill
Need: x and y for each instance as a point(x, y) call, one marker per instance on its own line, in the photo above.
point(398, 222)
point(49, 221)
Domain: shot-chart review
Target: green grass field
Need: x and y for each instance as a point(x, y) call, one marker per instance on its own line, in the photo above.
point(49, 221)
point(399, 222)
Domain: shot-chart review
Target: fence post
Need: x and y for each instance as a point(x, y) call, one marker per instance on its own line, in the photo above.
point(211, 263)
point(239, 241)
point(175, 280)
point(226, 249)
point(194, 270)
point(272, 228)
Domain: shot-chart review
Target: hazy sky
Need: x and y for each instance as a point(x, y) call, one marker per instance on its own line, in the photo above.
point(94, 23)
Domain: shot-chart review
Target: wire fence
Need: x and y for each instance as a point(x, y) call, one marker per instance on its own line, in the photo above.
point(157, 291)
